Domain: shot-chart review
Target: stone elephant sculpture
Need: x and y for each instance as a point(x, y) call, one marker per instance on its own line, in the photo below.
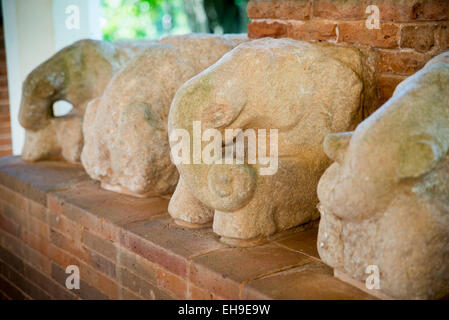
point(302, 90)
point(126, 141)
point(384, 201)
point(77, 74)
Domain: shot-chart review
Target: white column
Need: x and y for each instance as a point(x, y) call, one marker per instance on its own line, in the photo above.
point(67, 14)
point(34, 31)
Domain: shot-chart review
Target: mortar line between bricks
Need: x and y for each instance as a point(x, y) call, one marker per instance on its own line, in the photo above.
point(18, 289)
point(162, 215)
point(48, 278)
point(84, 264)
point(28, 283)
point(86, 213)
point(81, 262)
point(157, 265)
point(297, 251)
point(243, 283)
point(155, 246)
point(285, 268)
point(5, 295)
point(109, 223)
point(117, 262)
point(7, 201)
point(400, 37)
point(23, 274)
point(134, 293)
point(133, 273)
point(47, 192)
point(115, 224)
point(126, 288)
point(310, 8)
point(341, 21)
point(8, 233)
point(64, 188)
point(12, 220)
point(403, 50)
point(138, 276)
point(118, 271)
point(190, 258)
point(93, 250)
point(112, 224)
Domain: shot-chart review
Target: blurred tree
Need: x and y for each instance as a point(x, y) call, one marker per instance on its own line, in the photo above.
point(225, 16)
point(198, 20)
point(151, 19)
point(142, 19)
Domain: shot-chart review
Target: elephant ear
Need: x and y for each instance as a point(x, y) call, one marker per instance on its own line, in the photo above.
point(335, 145)
point(419, 156)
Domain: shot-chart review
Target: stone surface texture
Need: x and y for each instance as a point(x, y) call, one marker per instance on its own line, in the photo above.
point(125, 131)
point(305, 91)
point(76, 74)
point(384, 201)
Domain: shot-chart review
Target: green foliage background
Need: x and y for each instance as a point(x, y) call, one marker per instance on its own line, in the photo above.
point(151, 19)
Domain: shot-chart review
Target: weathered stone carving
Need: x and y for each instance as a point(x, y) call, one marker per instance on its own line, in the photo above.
point(305, 91)
point(77, 74)
point(385, 200)
point(125, 131)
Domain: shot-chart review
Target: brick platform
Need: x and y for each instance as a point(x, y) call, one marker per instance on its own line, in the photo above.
point(411, 31)
point(52, 215)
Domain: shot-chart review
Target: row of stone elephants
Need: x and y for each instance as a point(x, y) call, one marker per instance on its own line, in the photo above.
point(381, 184)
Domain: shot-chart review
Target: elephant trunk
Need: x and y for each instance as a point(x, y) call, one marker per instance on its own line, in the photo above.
point(225, 187)
point(218, 185)
point(43, 87)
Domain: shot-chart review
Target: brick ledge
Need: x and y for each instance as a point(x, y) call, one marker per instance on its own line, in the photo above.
point(52, 215)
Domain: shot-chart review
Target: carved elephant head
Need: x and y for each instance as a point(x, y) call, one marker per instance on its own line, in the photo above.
point(126, 141)
point(76, 74)
point(298, 90)
point(384, 202)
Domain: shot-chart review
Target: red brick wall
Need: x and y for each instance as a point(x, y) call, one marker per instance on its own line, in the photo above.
point(5, 125)
point(53, 215)
point(411, 31)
